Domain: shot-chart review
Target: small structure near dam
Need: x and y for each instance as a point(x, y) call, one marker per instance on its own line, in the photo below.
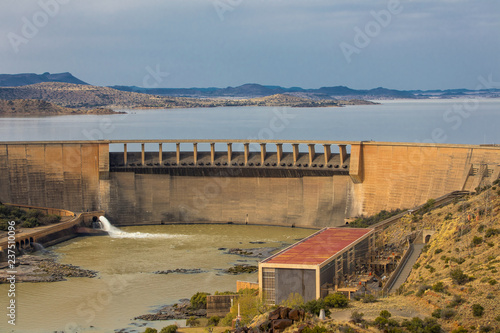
point(316, 264)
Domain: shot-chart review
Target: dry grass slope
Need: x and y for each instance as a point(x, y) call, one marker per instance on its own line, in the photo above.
point(467, 240)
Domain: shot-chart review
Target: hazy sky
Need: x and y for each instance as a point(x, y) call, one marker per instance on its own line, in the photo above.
point(407, 44)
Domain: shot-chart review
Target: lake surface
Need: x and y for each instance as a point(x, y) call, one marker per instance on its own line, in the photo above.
point(126, 286)
point(464, 121)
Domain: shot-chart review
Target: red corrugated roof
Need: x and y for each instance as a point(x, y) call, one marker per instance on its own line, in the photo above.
point(320, 247)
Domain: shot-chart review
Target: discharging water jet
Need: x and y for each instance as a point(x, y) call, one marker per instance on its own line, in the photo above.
point(115, 232)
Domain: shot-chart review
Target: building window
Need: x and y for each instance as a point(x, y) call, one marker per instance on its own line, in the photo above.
point(268, 285)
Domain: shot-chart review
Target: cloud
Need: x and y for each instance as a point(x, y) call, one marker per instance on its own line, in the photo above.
point(288, 42)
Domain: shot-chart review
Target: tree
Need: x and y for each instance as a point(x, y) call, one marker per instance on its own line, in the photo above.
point(250, 306)
point(199, 300)
point(192, 322)
point(213, 321)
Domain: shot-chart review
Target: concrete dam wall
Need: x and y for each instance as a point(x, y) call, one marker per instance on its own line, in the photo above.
point(317, 186)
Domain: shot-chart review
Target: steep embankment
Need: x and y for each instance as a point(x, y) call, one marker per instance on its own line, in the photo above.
point(456, 275)
point(87, 96)
point(30, 107)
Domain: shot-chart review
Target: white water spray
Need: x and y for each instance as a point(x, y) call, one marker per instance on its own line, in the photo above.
point(39, 248)
point(114, 232)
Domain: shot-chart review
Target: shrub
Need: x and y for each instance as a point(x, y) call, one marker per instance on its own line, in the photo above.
point(169, 329)
point(381, 322)
point(337, 300)
point(477, 310)
point(457, 300)
point(490, 232)
point(49, 219)
point(458, 260)
point(250, 306)
point(460, 330)
point(458, 276)
point(316, 329)
point(477, 240)
point(485, 329)
point(151, 330)
point(357, 317)
point(416, 266)
point(385, 314)
point(430, 268)
point(422, 289)
point(213, 321)
point(427, 206)
point(30, 223)
point(364, 222)
point(438, 287)
point(438, 251)
point(228, 319)
point(192, 322)
point(368, 298)
point(417, 325)
point(447, 313)
point(199, 300)
point(293, 301)
point(35, 213)
point(436, 313)
point(315, 306)
point(4, 225)
point(492, 282)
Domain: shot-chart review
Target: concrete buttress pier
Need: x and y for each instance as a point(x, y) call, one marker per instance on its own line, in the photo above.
point(310, 183)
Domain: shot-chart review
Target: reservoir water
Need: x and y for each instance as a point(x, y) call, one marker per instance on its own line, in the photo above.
point(126, 286)
point(465, 121)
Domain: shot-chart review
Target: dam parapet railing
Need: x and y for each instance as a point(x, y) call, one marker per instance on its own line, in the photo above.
point(234, 153)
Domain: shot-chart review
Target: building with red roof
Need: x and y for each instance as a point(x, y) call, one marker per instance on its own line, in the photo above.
point(313, 263)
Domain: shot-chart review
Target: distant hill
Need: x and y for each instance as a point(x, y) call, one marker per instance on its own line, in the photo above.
point(252, 90)
point(80, 96)
point(30, 107)
point(16, 80)
point(87, 96)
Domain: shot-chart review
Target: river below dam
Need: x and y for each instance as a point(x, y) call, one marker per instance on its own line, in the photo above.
point(126, 286)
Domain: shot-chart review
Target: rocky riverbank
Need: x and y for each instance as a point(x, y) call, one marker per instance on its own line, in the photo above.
point(39, 269)
point(260, 252)
point(180, 310)
point(181, 271)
